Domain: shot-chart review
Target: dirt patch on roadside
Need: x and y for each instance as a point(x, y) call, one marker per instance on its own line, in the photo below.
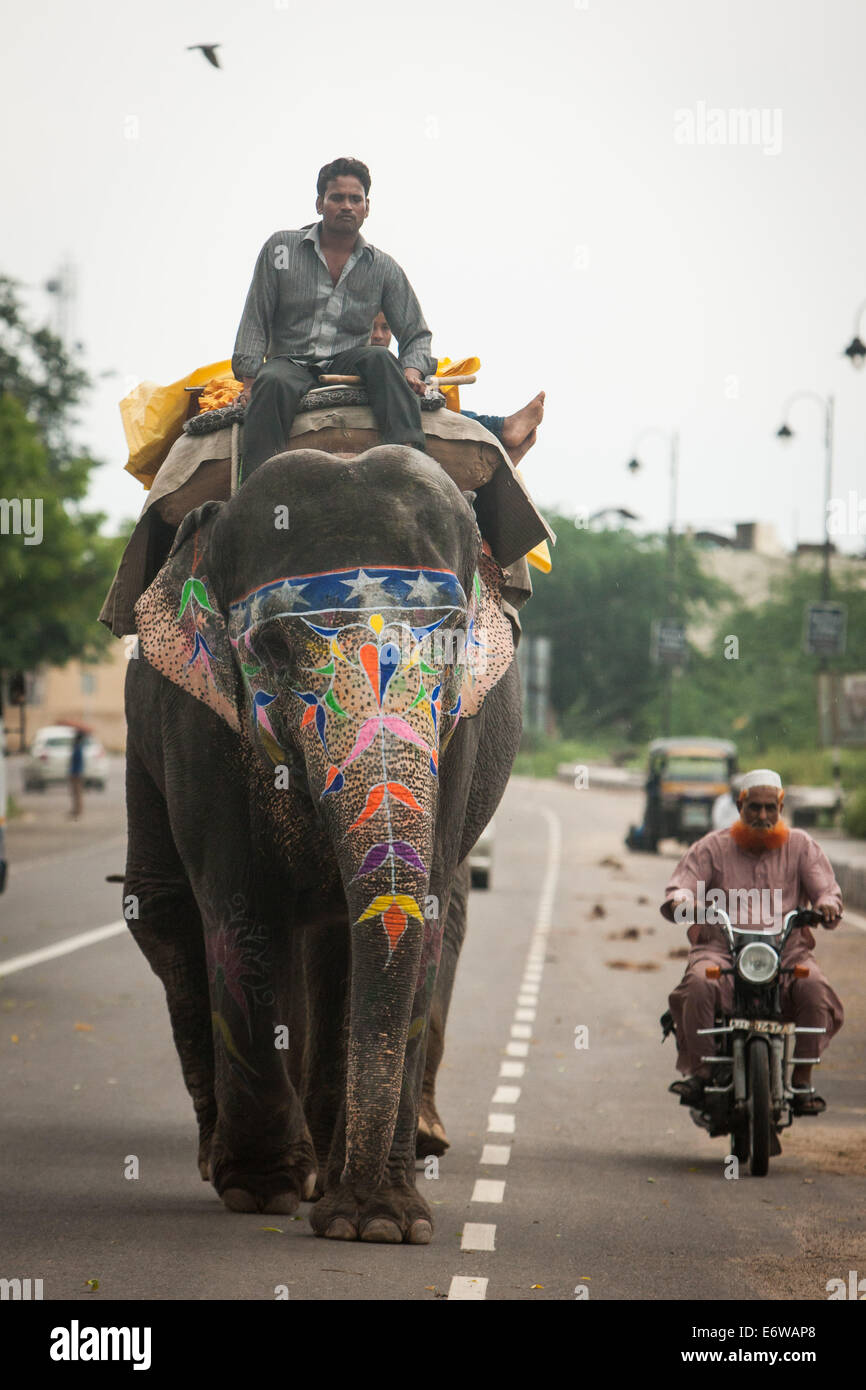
point(827, 1148)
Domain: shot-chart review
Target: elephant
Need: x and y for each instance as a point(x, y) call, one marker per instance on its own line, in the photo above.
point(322, 719)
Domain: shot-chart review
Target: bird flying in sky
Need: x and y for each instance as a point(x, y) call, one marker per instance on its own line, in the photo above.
point(209, 51)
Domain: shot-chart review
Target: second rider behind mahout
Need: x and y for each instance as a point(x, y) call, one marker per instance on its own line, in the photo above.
point(517, 432)
point(313, 296)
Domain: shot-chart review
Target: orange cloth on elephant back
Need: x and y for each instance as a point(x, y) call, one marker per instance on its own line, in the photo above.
point(445, 367)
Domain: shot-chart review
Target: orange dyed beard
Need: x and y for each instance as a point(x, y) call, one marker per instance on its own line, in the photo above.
point(748, 837)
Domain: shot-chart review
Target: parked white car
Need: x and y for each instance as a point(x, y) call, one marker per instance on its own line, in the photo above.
point(49, 756)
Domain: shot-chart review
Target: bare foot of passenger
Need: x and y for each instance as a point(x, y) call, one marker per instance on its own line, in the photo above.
point(523, 423)
point(516, 451)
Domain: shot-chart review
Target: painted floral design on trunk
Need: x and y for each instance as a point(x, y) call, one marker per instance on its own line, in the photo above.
point(383, 656)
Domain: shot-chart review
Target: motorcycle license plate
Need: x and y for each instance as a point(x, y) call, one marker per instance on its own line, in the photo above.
point(762, 1025)
point(695, 815)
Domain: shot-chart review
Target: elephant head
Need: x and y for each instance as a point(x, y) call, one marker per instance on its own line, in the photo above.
point(343, 617)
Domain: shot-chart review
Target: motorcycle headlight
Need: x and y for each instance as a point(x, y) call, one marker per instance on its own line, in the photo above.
point(758, 963)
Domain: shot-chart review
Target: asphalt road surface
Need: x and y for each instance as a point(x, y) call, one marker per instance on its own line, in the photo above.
point(571, 1173)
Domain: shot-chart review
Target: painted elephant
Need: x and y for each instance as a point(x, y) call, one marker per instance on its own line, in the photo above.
point(322, 721)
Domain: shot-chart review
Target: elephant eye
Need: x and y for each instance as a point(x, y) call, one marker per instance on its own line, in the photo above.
point(270, 647)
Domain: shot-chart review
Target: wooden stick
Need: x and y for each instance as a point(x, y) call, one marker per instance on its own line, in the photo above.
point(459, 380)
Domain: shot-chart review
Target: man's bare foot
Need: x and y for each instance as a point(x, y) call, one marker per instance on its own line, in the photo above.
point(516, 452)
point(519, 426)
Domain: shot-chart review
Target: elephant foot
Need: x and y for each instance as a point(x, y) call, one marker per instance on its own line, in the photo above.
point(392, 1216)
point(431, 1137)
point(276, 1191)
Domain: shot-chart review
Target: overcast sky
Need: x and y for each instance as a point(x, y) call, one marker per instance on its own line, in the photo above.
point(544, 174)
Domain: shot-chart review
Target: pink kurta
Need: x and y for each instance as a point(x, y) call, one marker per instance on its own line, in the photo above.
point(802, 873)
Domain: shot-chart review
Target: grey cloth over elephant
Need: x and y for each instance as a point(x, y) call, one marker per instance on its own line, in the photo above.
point(198, 469)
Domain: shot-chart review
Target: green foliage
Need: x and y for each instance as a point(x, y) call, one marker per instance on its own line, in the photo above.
point(598, 605)
point(855, 814)
point(50, 592)
point(768, 695)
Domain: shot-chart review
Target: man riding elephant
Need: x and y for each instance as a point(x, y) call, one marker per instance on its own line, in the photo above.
point(313, 296)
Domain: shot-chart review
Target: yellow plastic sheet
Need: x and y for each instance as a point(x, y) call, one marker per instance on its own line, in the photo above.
point(445, 367)
point(153, 418)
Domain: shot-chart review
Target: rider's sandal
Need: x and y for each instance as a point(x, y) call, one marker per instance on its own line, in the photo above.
point(809, 1105)
point(690, 1090)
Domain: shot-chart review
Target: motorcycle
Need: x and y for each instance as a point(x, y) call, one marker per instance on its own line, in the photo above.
point(753, 1095)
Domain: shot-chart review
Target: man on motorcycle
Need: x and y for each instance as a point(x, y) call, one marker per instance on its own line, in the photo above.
point(757, 859)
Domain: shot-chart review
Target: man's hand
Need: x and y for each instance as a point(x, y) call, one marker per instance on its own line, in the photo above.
point(244, 397)
point(415, 380)
point(828, 911)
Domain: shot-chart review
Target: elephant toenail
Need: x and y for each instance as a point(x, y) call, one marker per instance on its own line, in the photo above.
point(420, 1233)
point(238, 1199)
point(383, 1231)
point(341, 1229)
point(283, 1204)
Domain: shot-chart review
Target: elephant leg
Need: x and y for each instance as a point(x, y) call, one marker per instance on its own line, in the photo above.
point(323, 1081)
point(432, 1138)
point(168, 930)
point(262, 1156)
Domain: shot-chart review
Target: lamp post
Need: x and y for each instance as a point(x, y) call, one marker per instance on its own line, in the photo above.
point(785, 432)
point(634, 465)
point(856, 349)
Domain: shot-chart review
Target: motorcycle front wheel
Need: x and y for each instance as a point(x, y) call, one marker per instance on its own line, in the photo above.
point(760, 1120)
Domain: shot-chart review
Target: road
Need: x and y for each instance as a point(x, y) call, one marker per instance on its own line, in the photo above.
point(572, 1173)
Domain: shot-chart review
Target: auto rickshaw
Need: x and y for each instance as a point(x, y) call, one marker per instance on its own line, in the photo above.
point(684, 777)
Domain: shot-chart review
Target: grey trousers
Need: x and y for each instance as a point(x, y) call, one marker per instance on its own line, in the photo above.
point(281, 383)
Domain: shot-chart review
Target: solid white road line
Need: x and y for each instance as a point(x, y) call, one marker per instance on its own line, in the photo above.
point(488, 1190)
point(497, 1154)
point(467, 1286)
point(61, 948)
point(500, 1124)
point(478, 1236)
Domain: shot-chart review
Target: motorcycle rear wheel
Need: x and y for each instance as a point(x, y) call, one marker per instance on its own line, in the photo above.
point(740, 1146)
point(759, 1110)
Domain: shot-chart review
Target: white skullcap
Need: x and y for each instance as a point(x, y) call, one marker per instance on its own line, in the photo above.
point(761, 777)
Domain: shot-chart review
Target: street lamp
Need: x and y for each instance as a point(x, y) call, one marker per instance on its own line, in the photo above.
point(856, 349)
point(634, 465)
point(785, 432)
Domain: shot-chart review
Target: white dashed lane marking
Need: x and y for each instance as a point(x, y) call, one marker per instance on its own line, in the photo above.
point(467, 1286)
point(506, 1095)
point(488, 1190)
point(477, 1235)
point(497, 1154)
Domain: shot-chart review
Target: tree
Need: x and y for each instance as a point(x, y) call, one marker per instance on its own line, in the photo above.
point(597, 605)
point(52, 580)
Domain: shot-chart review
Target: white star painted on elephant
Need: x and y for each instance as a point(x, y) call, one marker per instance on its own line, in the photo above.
point(370, 590)
point(423, 591)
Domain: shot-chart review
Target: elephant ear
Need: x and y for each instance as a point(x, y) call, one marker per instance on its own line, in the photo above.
point(489, 649)
point(182, 631)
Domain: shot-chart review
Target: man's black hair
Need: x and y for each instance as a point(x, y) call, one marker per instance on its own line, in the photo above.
point(343, 168)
